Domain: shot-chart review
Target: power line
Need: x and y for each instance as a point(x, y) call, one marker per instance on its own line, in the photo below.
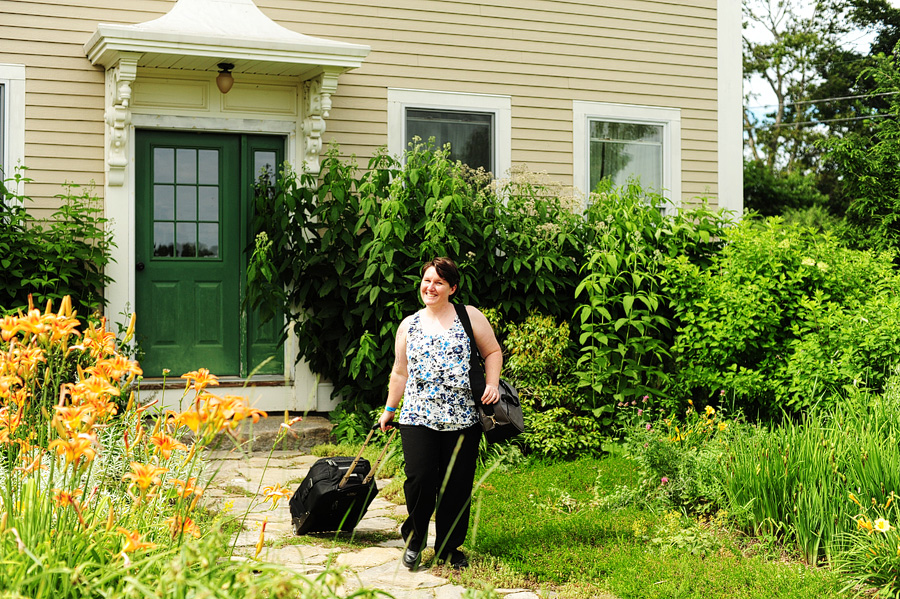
point(828, 99)
point(822, 122)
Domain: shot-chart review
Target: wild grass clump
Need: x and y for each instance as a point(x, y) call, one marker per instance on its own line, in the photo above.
point(99, 497)
point(798, 480)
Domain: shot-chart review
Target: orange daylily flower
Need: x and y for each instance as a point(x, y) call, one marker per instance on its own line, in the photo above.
point(192, 419)
point(75, 418)
point(262, 537)
point(202, 379)
point(9, 326)
point(75, 448)
point(179, 525)
point(133, 541)
point(144, 475)
point(95, 386)
point(165, 444)
point(186, 489)
point(239, 408)
point(98, 341)
point(36, 463)
point(275, 493)
point(9, 422)
point(66, 498)
point(32, 323)
point(115, 368)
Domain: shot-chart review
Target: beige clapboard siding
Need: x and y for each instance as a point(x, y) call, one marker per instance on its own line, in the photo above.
point(543, 54)
point(64, 137)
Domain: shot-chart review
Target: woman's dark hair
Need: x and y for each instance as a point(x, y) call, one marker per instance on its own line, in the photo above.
point(446, 269)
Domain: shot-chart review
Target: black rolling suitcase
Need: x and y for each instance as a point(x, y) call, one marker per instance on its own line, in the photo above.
point(336, 493)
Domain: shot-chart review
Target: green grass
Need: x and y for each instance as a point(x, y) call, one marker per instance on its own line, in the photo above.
point(541, 521)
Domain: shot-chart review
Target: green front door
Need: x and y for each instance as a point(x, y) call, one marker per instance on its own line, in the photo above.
point(192, 208)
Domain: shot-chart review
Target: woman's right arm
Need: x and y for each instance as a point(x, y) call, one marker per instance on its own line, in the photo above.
point(399, 374)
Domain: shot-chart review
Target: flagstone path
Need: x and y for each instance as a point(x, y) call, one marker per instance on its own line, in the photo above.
point(370, 558)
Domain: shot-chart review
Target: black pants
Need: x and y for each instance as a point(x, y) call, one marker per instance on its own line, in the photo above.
point(429, 454)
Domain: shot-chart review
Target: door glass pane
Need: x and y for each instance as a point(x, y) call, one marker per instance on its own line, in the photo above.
point(179, 208)
point(186, 167)
point(163, 202)
point(186, 202)
point(164, 165)
point(208, 240)
point(163, 239)
point(470, 134)
point(264, 162)
point(186, 240)
point(209, 203)
point(208, 167)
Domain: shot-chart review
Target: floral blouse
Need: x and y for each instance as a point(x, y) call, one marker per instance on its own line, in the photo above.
point(437, 393)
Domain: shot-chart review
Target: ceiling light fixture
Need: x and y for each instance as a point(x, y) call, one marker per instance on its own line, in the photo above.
point(224, 81)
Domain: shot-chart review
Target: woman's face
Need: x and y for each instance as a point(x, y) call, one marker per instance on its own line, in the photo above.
point(434, 289)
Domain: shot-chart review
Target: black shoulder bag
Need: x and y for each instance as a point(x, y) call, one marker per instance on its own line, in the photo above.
point(502, 420)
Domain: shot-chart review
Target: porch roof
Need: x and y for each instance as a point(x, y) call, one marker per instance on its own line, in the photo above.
point(198, 34)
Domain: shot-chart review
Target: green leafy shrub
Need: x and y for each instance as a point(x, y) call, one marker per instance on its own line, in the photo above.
point(773, 307)
point(539, 358)
point(341, 256)
point(680, 461)
point(64, 255)
point(624, 319)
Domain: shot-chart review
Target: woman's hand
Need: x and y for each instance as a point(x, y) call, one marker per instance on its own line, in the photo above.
point(386, 418)
point(491, 394)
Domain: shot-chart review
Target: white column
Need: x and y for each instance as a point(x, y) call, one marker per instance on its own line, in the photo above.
point(730, 105)
point(118, 188)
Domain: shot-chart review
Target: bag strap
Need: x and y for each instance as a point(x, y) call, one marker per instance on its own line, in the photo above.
point(474, 355)
point(475, 360)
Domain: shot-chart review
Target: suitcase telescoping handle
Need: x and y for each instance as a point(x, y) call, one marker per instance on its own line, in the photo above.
point(359, 455)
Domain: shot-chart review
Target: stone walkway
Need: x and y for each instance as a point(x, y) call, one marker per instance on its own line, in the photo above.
point(370, 558)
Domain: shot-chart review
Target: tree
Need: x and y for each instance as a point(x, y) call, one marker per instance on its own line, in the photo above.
point(869, 160)
point(784, 43)
point(844, 98)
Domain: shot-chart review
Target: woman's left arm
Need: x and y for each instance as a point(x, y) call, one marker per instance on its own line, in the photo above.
point(490, 351)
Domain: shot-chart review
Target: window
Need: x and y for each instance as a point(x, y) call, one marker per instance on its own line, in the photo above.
point(619, 142)
point(477, 126)
point(12, 118)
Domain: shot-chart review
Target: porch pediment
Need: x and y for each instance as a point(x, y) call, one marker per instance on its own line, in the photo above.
point(199, 34)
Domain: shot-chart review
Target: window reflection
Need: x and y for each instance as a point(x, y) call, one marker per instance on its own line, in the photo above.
point(469, 134)
point(186, 202)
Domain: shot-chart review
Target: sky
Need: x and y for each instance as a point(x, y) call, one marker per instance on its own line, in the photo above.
point(764, 99)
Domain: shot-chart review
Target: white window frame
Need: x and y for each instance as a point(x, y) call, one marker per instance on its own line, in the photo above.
point(400, 99)
point(12, 154)
point(668, 118)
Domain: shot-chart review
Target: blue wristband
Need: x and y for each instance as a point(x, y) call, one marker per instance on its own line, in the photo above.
point(389, 409)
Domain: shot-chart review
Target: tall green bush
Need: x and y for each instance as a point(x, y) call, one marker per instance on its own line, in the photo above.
point(341, 255)
point(779, 320)
point(624, 316)
point(64, 255)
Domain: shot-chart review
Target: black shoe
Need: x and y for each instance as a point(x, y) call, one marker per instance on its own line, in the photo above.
point(411, 558)
point(456, 559)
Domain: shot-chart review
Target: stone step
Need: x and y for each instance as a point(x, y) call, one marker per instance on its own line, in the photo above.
point(268, 434)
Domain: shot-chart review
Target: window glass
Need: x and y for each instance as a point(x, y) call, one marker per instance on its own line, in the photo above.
point(469, 134)
point(620, 151)
point(185, 203)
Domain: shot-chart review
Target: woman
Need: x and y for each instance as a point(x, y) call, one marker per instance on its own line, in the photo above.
point(439, 426)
